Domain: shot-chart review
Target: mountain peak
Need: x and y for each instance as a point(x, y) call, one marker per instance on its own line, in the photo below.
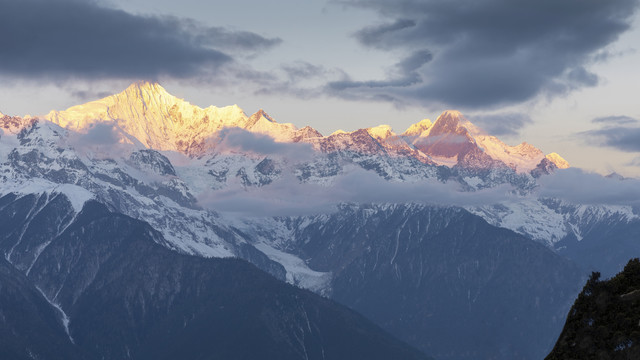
point(145, 85)
point(381, 131)
point(259, 115)
point(452, 121)
point(418, 128)
point(451, 114)
point(152, 94)
point(453, 137)
point(156, 118)
point(558, 161)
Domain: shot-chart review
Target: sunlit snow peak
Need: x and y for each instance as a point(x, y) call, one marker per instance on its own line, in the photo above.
point(162, 121)
point(557, 160)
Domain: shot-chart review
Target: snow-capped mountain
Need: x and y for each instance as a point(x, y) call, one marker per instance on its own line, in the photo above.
point(453, 139)
point(153, 157)
point(160, 121)
point(70, 148)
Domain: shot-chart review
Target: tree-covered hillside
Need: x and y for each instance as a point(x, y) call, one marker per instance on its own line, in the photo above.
point(604, 322)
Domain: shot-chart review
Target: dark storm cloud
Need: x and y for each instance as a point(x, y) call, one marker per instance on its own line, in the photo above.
point(415, 61)
point(502, 123)
point(403, 74)
point(82, 39)
point(491, 52)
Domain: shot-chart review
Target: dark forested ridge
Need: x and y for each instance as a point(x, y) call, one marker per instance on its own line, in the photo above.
point(604, 322)
point(443, 279)
point(127, 297)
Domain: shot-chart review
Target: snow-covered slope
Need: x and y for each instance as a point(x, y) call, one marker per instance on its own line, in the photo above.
point(161, 121)
point(46, 159)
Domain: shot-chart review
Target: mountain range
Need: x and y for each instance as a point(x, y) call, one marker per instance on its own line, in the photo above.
point(438, 235)
point(158, 120)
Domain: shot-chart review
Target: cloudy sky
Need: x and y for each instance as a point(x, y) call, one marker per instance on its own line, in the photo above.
point(560, 74)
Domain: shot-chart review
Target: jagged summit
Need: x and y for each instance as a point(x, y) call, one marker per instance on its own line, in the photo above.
point(453, 139)
point(146, 89)
point(447, 138)
point(161, 121)
point(13, 124)
point(558, 161)
point(381, 131)
point(418, 128)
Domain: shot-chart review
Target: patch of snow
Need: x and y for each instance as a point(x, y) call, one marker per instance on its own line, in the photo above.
point(298, 273)
point(473, 181)
point(76, 195)
point(63, 316)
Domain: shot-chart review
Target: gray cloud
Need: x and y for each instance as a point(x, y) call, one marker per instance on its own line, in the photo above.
point(415, 61)
point(103, 140)
point(82, 39)
point(617, 120)
point(490, 52)
point(403, 74)
point(502, 123)
point(621, 137)
point(240, 140)
point(287, 196)
point(87, 95)
point(375, 36)
point(635, 161)
point(221, 38)
point(593, 189)
point(301, 70)
point(101, 134)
